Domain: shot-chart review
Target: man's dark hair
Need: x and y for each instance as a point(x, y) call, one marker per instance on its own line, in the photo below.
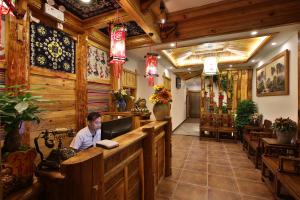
point(92, 116)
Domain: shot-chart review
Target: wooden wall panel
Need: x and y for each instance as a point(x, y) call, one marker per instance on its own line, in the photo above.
point(61, 112)
point(98, 97)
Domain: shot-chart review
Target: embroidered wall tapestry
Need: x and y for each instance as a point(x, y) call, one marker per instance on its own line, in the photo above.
point(98, 69)
point(51, 48)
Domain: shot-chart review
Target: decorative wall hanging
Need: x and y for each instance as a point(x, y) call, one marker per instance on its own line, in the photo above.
point(51, 48)
point(272, 79)
point(2, 37)
point(151, 68)
point(210, 66)
point(117, 48)
point(98, 69)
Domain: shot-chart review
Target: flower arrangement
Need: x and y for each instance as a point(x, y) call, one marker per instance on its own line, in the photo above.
point(161, 95)
point(284, 125)
point(121, 97)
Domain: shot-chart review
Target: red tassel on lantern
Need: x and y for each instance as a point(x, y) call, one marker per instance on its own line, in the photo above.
point(117, 48)
point(151, 68)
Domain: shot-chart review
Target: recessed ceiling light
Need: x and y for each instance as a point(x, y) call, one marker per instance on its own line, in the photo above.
point(254, 33)
point(86, 1)
point(172, 44)
point(273, 43)
point(158, 57)
point(253, 60)
point(189, 69)
point(230, 65)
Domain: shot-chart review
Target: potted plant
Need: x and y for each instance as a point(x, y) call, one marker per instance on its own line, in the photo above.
point(245, 109)
point(285, 130)
point(161, 98)
point(17, 105)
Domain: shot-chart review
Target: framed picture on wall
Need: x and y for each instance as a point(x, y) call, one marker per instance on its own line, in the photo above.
point(98, 69)
point(272, 78)
point(3, 41)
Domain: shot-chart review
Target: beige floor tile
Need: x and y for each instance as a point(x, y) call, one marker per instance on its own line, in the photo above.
point(193, 178)
point(222, 182)
point(196, 166)
point(220, 170)
point(253, 188)
point(214, 194)
point(190, 192)
point(166, 188)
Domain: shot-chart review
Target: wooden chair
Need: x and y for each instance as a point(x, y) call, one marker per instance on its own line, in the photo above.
point(253, 141)
point(208, 122)
point(281, 169)
point(226, 126)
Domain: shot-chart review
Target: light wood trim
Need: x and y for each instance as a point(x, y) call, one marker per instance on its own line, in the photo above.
point(225, 17)
point(298, 85)
point(287, 81)
point(50, 73)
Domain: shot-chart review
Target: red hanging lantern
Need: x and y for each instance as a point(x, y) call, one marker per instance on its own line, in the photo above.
point(151, 68)
point(117, 48)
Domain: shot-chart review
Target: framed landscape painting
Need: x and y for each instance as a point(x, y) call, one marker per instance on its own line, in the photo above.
point(98, 69)
point(272, 78)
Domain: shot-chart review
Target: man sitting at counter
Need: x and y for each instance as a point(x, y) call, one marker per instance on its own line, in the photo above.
point(89, 135)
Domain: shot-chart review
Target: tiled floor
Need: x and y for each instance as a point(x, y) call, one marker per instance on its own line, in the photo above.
point(189, 127)
point(209, 170)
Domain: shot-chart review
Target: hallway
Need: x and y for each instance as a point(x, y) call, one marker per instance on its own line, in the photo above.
point(210, 170)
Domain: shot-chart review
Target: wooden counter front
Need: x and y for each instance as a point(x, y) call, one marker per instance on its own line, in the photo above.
point(131, 171)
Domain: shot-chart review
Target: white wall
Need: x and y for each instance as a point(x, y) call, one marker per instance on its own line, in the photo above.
point(178, 106)
point(273, 107)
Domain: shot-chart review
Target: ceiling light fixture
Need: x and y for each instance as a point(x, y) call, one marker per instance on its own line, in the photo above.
point(86, 1)
point(230, 65)
point(170, 67)
point(253, 60)
point(273, 43)
point(158, 57)
point(210, 66)
point(172, 44)
point(189, 69)
point(254, 33)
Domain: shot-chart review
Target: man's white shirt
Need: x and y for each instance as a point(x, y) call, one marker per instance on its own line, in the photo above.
point(85, 139)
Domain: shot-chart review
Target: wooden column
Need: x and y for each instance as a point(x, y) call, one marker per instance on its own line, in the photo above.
point(148, 154)
point(249, 87)
point(81, 81)
point(18, 55)
point(298, 85)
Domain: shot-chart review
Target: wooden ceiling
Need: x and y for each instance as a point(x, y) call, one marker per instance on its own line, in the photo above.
point(209, 18)
point(133, 29)
point(188, 75)
point(234, 51)
point(87, 10)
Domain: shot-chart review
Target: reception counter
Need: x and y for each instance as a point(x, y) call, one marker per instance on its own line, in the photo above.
point(130, 171)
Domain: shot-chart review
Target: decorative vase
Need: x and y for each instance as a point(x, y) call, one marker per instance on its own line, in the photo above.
point(18, 169)
point(161, 111)
point(12, 140)
point(121, 105)
point(285, 137)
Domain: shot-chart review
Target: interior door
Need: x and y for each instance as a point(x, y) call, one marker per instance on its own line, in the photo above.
point(194, 104)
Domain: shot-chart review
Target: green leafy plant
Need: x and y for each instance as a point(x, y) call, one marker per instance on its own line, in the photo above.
point(17, 105)
point(245, 109)
point(284, 125)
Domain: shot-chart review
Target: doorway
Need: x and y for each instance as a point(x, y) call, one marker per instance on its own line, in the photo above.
point(193, 104)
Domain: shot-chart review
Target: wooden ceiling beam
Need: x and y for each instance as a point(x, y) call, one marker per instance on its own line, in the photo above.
point(147, 4)
point(102, 21)
point(98, 37)
point(138, 41)
point(232, 16)
point(146, 21)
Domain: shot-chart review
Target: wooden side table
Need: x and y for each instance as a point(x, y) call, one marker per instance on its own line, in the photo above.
point(270, 146)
